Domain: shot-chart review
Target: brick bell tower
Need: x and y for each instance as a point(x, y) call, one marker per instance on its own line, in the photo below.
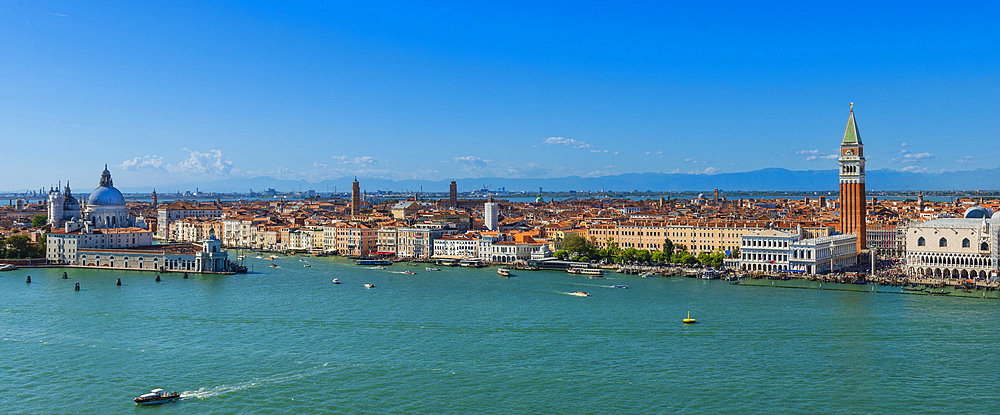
point(852, 183)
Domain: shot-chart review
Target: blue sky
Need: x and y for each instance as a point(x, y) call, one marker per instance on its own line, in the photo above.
point(182, 91)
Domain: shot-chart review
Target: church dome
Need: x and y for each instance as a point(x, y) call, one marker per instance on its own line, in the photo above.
point(106, 196)
point(977, 212)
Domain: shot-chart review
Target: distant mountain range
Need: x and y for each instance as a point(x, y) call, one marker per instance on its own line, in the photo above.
point(773, 179)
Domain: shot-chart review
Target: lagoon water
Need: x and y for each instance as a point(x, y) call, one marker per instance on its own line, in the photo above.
point(287, 340)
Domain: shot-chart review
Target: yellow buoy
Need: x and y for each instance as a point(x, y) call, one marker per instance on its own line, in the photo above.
point(689, 320)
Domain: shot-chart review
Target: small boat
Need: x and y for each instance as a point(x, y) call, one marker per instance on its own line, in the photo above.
point(688, 320)
point(156, 396)
point(647, 275)
point(259, 257)
point(307, 266)
point(369, 285)
point(913, 289)
point(8, 267)
point(620, 286)
point(580, 294)
point(301, 260)
point(432, 269)
point(273, 265)
point(503, 272)
point(408, 272)
point(271, 258)
point(939, 292)
point(336, 281)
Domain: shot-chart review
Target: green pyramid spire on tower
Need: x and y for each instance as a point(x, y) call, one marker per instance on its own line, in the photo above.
point(851, 134)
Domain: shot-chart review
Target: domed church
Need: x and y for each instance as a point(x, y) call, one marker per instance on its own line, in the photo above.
point(106, 205)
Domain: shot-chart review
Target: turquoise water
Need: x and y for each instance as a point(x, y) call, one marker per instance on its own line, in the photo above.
point(287, 340)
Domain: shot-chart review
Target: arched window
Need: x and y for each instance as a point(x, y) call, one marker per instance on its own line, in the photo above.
point(984, 247)
point(921, 241)
point(966, 243)
point(942, 243)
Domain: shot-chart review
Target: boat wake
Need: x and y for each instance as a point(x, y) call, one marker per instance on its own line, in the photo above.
point(205, 393)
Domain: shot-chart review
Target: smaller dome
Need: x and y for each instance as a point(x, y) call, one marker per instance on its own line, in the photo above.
point(106, 196)
point(977, 212)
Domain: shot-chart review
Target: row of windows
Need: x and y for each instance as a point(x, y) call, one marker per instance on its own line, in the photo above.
point(943, 243)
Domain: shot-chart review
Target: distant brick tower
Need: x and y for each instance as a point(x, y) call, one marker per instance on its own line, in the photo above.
point(355, 198)
point(852, 182)
point(453, 194)
point(154, 199)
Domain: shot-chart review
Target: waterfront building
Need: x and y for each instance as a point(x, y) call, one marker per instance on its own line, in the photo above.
point(356, 239)
point(957, 248)
point(510, 251)
point(457, 246)
point(771, 250)
point(491, 215)
point(418, 241)
point(853, 203)
point(694, 237)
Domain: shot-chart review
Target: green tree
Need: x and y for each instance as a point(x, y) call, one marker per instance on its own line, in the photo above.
point(658, 256)
point(643, 256)
point(561, 254)
point(576, 244)
point(668, 247)
point(39, 220)
point(18, 246)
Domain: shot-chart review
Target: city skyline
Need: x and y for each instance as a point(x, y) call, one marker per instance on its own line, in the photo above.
point(192, 94)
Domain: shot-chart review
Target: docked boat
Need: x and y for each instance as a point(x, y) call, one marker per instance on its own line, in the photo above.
point(619, 286)
point(580, 294)
point(939, 292)
point(408, 272)
point(369, 285)
point(336, 281)
point(374, 262)
point(591, 272)
point(689, 320)
point(432, 269)
point(8, 267)
point(503, 272)
point(155, 397)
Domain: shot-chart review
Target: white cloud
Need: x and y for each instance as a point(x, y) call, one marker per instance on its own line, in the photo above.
point(572, 142)
point(472, 162)
point(356, 161)
point(968, 159)
point(813, 152)
point(210, 162)
point(146, 162)
point(911, 157)
point(913, 169)
point(710, 170)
